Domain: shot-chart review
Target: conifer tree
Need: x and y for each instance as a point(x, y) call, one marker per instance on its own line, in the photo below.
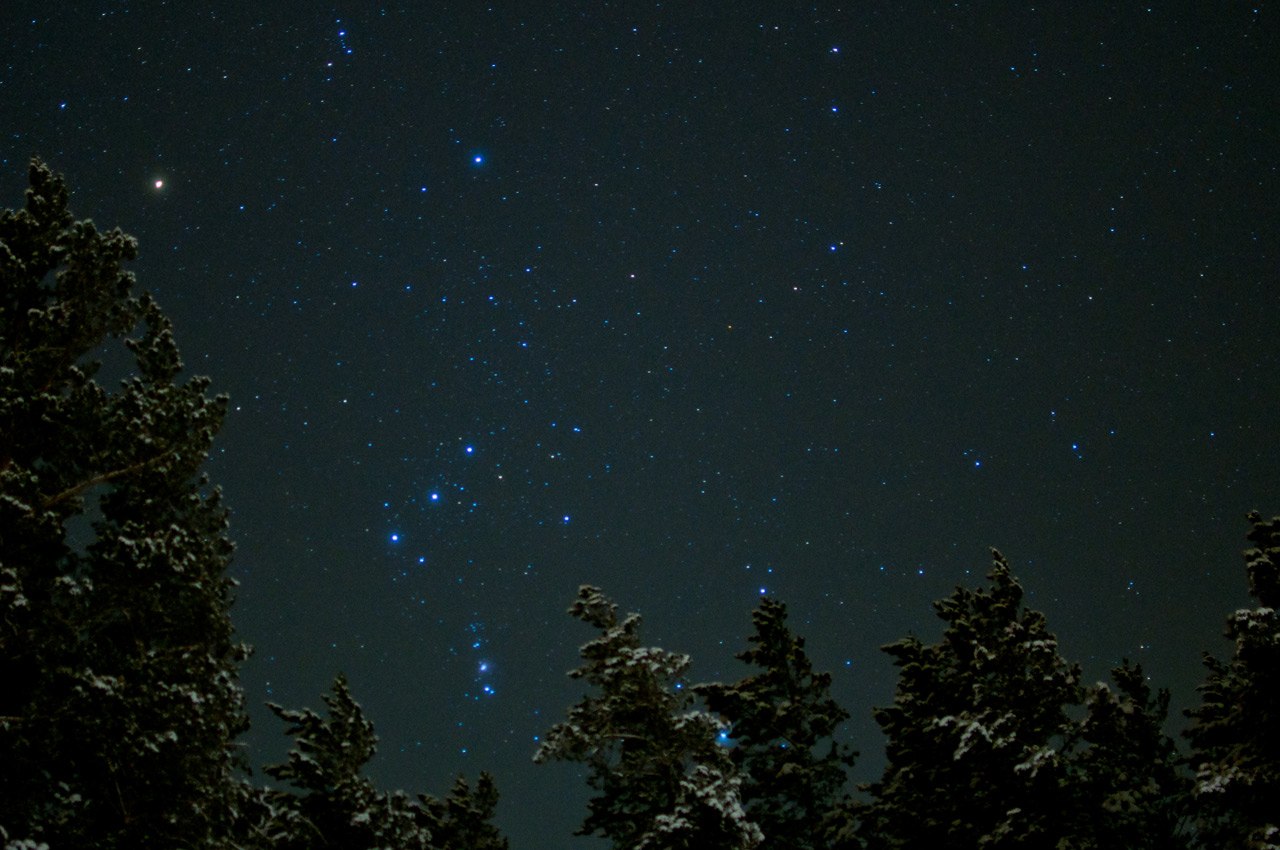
point(335, 805)
point(976, 730)
point(1126, 779)
point(119, 704)
point(662, 780)
point(1235, 731)
point(463, 820)
point(782, 722)
point(331, 803)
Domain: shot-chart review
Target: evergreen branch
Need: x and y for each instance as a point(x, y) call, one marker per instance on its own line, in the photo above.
point(104, 478)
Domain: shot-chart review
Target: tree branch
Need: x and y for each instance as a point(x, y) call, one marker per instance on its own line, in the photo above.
point(104, 478)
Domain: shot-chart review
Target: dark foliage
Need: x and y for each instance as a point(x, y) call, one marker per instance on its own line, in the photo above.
point(334, 805)
point(463, 820)
point(782, 722)
point(977, 730)
point(1126, 781)
point(1235, 731)
point(663, 781)
point(120, 703)
point(330, 803)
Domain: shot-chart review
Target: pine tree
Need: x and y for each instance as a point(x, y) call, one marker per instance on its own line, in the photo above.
point(118, 696)
point(1235, 731)
point(335, 805)
point(331, 803)
point(976, 730)
point(463, 820)
point(663, 781)
point(1126, 781)
point(779, 719)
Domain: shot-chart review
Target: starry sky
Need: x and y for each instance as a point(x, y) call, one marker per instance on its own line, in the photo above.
point(695, 302)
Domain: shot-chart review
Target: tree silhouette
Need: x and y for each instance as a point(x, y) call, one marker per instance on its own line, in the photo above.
point(779, 719)
point(119, 704)
point(976, 730)
point(1126, 778)
point(334, 804)
point(463, 820)
point(1235, 731)
point(663, 782)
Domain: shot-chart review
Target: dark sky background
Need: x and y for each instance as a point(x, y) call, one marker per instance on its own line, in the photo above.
point(692, 301)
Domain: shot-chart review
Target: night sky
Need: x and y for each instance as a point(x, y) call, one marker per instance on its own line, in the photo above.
point(694, 302)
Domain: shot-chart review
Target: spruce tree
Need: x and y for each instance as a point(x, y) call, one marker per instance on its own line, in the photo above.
point(976, 730)
point(1126, 780)
point(329, 802)
point(463, 820)
point(1235, 731)
point(782, 722)
point(119, 703)
point(662, 780)
point(332, 803)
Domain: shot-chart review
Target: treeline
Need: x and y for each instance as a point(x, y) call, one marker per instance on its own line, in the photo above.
point(120, 708)
point(993, 740)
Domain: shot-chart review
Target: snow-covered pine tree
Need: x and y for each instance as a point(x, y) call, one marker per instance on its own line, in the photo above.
point(663, 782)
point(1235, 731)
point(976, 730)
point(334, 804)
point(782, 722)
point(119, 702)
point(1126, 780)
point(331, 803)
